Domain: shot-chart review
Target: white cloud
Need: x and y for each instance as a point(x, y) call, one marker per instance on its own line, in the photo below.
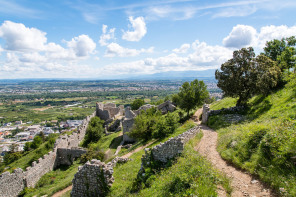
point(106, 36)
point(18, 37)
point(244, 35)
point(235, 11)
point(114, 49)
point(240, 36)
point(139, 29)
point(182, 49)
point(203, 57)
point(82, 45)
point(271, 32)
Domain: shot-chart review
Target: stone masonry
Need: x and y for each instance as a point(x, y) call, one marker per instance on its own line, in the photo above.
point(64, 151)
point(94, 178)
point(108, 111)
point(167, 150)
point(206, 112)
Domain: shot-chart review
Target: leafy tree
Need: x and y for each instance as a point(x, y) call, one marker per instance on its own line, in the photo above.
point(191, 95)
point(144, 124)
point(11, 157)
point(37, 141)
point(282, 51)
point(244, 75)
point(94, 131)
point(136, 104)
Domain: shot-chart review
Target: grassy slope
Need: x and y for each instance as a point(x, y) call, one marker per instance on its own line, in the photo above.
point(31, 156)
point(265, 142)
point(189, 174)
point(55, 181)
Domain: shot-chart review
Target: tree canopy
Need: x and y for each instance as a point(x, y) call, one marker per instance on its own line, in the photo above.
point(244, 75)
point(94, 131)
point(282, 51)
point(191, 95)
point(136, 104)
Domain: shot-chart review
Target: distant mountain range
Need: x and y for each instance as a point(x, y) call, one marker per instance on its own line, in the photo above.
point(178, 75)
point(185, 75)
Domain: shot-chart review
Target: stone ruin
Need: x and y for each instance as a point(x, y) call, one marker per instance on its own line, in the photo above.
point(64, 152)
point(108, 112)
point(166, 107)
point(94, 178)
point(232, 117)
point(167, 150)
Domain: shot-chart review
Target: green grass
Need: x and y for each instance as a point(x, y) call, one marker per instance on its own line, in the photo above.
point(224, 103)
point(189, 175)
point(27, 159)
point(111, 142)
point(55, 181)
point(265, 142)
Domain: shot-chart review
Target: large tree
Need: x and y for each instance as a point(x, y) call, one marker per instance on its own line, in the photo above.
point(244, 75)
point(191, 95)
point(282, 51)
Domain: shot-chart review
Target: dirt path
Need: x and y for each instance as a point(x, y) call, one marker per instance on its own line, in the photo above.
point(136, 150)
point(60, 193)
point(242, 183)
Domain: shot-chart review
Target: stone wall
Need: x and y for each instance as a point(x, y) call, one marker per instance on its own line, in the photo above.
point(166, 107)
point(94, 178)
point(66, 156)
point(39, 168)
point(173, 147)
point(108, 111)
point(167, 150)
point(206, 112)
point(12, 184)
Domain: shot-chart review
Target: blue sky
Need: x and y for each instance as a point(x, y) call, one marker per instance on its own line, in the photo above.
point(105, 39)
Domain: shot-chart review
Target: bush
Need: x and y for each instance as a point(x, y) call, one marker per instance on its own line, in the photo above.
point(94, 131)
point(136, 104)
point(152, 124)
point(92, 154)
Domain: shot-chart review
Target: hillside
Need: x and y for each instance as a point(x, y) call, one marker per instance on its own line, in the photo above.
point(262, 138)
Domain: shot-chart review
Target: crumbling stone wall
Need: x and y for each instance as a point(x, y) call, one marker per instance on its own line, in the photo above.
point(94, 178)
point(108, 111)
point(39, 168)
point(166, 107)
point(206, 112)
point(11, 184)
point(167, 150)
point(66, 156)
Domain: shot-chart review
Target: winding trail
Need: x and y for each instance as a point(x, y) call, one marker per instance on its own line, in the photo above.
point(242, 183)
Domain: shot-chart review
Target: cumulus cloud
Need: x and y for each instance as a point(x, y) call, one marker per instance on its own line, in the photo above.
point(182, 49)
point(240, 36)
point(106, 36)
point(18, 37)
point(115, 49)
point(82, 45)
point(203, 57)
point(139, 29)
point(271, 32)
point(244, 35)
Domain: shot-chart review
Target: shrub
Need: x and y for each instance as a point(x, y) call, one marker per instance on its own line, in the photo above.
point(92, 154)
point(94, 131)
